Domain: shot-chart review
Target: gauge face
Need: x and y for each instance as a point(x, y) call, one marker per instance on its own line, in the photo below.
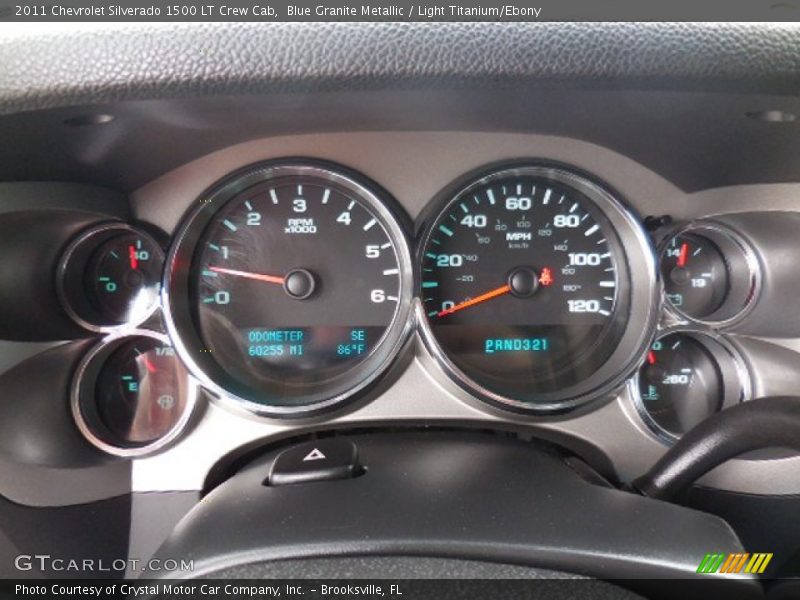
point(711, 274)
point(131, 395)
point(525, 284)
point(695, 275)
point(681, 383)
point(123, 277)
point(111, 276)
point(299, 287)
point(138, 392)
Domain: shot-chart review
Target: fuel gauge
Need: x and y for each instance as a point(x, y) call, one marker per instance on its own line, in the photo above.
point(132, 395)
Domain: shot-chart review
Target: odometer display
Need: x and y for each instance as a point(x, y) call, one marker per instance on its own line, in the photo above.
point(525, 285)
point(298, 289)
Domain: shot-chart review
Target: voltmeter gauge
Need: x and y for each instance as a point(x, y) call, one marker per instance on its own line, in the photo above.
point(110, 276)
point(711, 274)
point(695, 275)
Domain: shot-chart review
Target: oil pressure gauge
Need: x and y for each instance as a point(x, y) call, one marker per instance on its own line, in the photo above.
point(110, 276)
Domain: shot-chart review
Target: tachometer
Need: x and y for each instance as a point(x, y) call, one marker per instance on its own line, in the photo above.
point(290, 287)
point(527, 289)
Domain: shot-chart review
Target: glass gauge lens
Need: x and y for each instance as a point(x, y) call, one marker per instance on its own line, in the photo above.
point(111, 276)
point(131, 395)
point(695, 275)
point(525, 285)
point(680, 384)
point(299, 288)
point(123, 278)
point(140, 392)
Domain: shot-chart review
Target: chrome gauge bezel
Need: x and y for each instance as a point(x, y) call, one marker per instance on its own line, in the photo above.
point(736, 380)
point(177, 274)
point(83, 240)
point(82, 391)
point(639, 258)
point(743, 264)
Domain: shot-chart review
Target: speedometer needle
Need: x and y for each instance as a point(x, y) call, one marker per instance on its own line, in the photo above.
point(248, 275)
point(477, 300)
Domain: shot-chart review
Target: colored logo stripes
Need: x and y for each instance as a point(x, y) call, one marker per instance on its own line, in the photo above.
point(755, 563)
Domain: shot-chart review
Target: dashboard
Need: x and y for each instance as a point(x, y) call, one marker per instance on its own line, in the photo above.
point(216, 256)
point(283, 285)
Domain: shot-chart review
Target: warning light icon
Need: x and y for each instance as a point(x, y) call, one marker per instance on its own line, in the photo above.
point(546, 277)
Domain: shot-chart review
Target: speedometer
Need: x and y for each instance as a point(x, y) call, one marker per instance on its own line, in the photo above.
point(527, 291)
point(290, 287)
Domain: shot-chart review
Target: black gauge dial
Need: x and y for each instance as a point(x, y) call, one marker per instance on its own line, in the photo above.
point(124, 276)
point(711, 273)
point(138, 393)
point(297, 282)
point(111, 276)
point(525, 285)
point(132, 396)
point(681, 383)
point(695, 275)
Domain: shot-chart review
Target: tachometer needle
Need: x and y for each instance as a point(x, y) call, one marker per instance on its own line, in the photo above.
point(684, 255)
point(133, 257)
point(248, 275)
point(477, 300)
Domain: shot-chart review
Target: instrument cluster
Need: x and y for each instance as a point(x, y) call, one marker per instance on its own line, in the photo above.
point(293, 286)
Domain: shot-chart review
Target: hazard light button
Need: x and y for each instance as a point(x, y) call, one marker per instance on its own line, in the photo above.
point(321, 460)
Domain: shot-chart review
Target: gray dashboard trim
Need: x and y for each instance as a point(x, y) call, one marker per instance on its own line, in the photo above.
point(420, 394)
point(55, 65)
point(423, 394)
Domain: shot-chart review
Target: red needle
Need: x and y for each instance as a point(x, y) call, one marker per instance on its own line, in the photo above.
point(150, 366)
point(683, 255)
point(651, 357)
point(132, 256)
point(477, 300)
point(248, 275)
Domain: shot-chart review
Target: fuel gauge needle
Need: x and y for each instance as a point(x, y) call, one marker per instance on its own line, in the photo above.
point(248, 275)
point(477, 300)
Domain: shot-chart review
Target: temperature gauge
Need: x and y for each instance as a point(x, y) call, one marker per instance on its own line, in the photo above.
point(687, 377)
point(110, 276)
point(132, 396)
point(710, 273)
